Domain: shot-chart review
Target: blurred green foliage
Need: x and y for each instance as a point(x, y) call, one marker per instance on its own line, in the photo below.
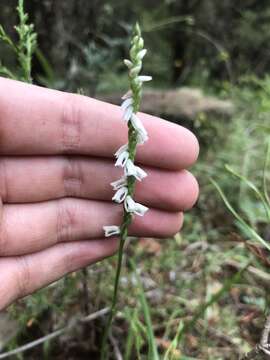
point(196, 40)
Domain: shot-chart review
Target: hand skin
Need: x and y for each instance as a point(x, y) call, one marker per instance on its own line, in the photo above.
point(56, 166)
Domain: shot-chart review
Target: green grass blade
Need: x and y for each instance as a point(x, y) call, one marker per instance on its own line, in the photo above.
point(153, 353)
point(131, 336)
point(46, 66)
point(253, 187)
point(248, 228)
point(136, 334)
point(174, 343)
point(267, 158)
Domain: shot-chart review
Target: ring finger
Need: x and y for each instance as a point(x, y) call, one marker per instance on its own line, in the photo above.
point(29, 228)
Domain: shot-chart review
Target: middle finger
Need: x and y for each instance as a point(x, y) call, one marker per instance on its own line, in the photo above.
point(37, 179)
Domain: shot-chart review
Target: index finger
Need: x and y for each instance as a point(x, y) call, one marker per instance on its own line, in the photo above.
point(39, 121)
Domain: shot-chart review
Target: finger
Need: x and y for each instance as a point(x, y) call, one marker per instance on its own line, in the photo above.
point(36, 121)
point(22, 275)
point(58, 176)
point(33, 227)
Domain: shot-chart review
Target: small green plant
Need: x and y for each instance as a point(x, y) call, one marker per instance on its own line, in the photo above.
point(23, 49)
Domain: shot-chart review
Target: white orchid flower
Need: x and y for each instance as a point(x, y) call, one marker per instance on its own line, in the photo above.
point(127, 103)
point(111, 230)
point(142, 138)
point(121, 150)
point(128, 113)
point(122, 159)
point(138, 126)
point(133, 170)
point(118, 184)
point(132, 207)
point(120, 195)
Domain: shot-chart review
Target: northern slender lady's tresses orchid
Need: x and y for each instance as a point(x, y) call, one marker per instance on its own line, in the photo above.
point(125, 157)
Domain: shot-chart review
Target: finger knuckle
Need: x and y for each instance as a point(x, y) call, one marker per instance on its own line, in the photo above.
point(72, 177)
point(3, 234)
point(70, 258)
point(23, 276)
point(66, 220)
point(71, 122)
point(3, 181)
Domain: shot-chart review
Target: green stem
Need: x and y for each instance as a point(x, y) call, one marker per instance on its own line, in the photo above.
point(123, 236)
point(104, 348)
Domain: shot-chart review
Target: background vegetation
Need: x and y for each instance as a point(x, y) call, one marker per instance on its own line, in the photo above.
point(207, 292)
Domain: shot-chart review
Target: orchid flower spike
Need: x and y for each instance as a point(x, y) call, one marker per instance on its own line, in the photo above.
point(137, 135)
point(125, 158)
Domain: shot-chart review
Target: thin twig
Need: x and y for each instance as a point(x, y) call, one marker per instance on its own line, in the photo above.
point(117, 352)
point(265, 335)
point(263, 348)
point(260, 274)
point(55, 334)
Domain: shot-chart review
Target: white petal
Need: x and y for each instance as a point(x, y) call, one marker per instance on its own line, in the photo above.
point(128, 113)
point(144, 78)
point(140, 173)
point(122, 159)
point(111, 230)
point(116, 185)
point(136, 171)
point(140, 209)
point(126, 104)
point(122, 149)
point(120, 195)
point(129, 204)
point(128, 63)
point(142, 54)
point(135, 70)
point(130, 168)
point(142, 138)
point(133, 207)
point(137, 124)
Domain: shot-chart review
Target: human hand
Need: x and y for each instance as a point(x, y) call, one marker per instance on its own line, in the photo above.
point(56, 166)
